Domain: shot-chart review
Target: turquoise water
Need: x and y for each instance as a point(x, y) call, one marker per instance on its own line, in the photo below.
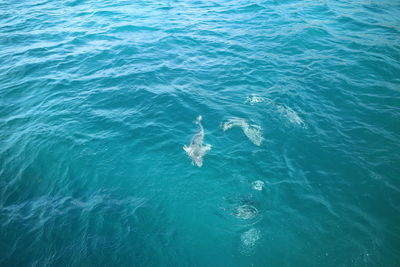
point(300, 104)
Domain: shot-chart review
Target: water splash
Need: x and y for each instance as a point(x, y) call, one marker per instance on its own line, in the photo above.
point(196, 150)
point(252, 131)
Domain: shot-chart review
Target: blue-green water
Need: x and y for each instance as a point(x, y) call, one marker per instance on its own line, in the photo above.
point(98, 98)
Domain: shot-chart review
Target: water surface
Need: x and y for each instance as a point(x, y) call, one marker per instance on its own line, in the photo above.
point(98, 98)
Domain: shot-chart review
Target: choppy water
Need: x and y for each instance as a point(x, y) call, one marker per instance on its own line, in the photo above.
point(97, 99)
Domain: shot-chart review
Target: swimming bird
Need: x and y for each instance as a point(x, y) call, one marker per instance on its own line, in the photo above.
point(196, 150)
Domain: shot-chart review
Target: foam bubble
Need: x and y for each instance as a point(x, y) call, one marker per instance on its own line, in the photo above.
point(254, 99)
point(258, 185)
point(249, 240)
point(245, 212)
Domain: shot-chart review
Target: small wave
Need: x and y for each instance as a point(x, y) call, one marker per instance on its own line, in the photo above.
point(252, 131)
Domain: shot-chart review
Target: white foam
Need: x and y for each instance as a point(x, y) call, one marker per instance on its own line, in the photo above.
point(258, 185)
point(254, 99)
point(253, 132)
point(249, 240)
point(245, 212)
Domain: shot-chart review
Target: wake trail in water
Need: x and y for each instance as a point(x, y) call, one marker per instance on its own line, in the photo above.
point(196, 150)
point(252, 131)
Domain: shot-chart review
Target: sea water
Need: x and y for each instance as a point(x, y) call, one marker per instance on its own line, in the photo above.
point(97, 99)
